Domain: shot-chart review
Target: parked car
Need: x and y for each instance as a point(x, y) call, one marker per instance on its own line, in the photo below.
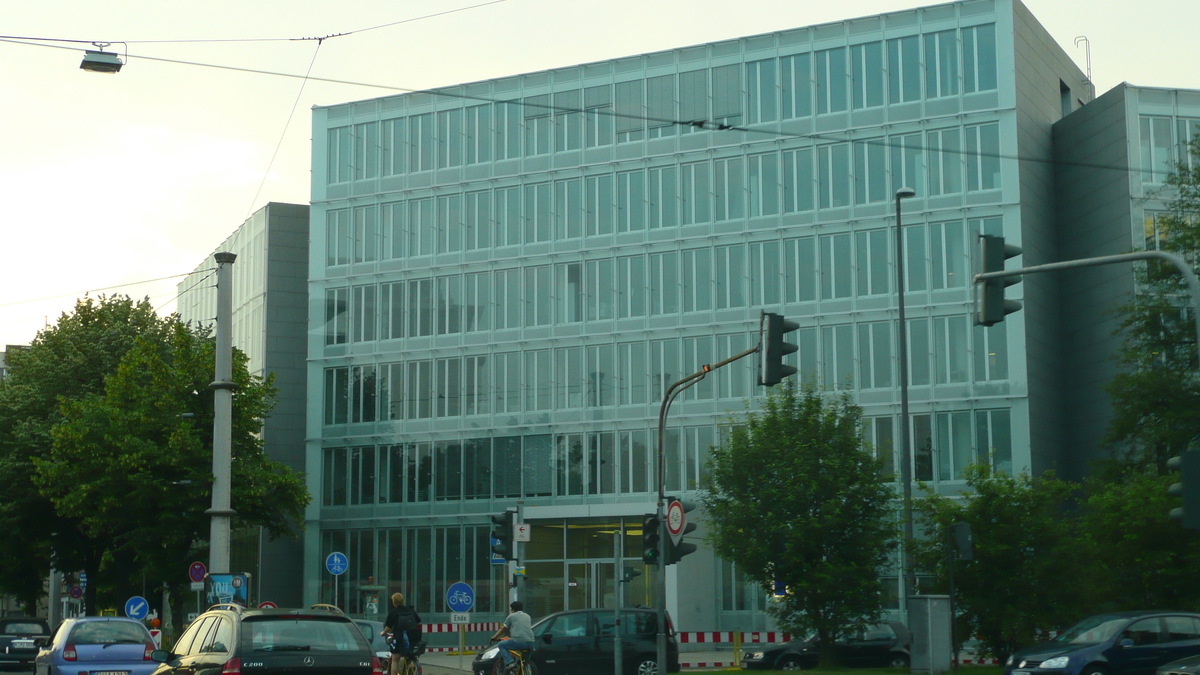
point(1188, 666)
point(882, 645)
point(1120, 643)
point(18, 636)
point(580, 642)
point(371, 630)
point(99, 645)
point(229, 639)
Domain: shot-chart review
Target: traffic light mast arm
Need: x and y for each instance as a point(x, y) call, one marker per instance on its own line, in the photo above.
point(1176, 260)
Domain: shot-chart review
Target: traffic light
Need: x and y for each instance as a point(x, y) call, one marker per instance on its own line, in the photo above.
point(630, 574)
point(1188, 487)
point(650, 539)
point(990, 305)
point(676, 551)
point(772, 348)
point(502, 535)
point(963, 541)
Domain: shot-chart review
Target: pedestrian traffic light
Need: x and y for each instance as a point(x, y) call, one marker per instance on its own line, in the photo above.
point(990, 305)
point(651, 538)
point(630, 574)
point(1188, 487)
point(502, 535)
point(772, 348)
point(676, 550)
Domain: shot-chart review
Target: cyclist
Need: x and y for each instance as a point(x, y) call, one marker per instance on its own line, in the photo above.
point(518, 628)
point(403, 624)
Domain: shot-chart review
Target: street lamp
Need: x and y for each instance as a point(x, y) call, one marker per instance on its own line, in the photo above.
point(905, 446)
point(100, 61)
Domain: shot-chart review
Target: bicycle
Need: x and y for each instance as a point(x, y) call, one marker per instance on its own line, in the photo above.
point(410, 663)
point(521, 666)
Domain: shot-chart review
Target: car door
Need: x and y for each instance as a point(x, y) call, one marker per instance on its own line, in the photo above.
point(186, 652)
point(1138, 649)
point(568, 645)
point(215, 648)
point(1182, 639)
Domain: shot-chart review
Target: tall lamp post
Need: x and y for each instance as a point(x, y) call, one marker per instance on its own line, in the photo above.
point(222, 386)
point(905, 443)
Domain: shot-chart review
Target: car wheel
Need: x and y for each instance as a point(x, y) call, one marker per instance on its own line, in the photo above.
point(1094, 670)
point(647, 665)
point(790, 663)
point(898, 661)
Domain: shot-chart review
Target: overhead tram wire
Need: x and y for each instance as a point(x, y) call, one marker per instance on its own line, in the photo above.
point(700, 124)
point(211, 271)
point(97, 290)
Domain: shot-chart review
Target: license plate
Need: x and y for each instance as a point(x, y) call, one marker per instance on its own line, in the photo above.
point(1022, 672)
point(22, 644)
point(110, 672)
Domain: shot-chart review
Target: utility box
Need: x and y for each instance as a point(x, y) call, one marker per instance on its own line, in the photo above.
point(929, 624)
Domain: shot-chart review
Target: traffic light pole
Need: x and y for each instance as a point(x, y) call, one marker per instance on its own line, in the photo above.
point(1176, 260)
point(674, 390)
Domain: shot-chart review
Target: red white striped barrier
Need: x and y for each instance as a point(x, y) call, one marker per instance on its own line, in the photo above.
point(442, 650)
point(707, 664)
point(727, 636)
point(453, 627)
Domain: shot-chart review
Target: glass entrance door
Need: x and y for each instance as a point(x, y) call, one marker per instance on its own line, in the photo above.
point(590, 584)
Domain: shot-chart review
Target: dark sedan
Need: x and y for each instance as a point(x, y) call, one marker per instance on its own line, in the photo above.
point(1120, 643)
point(18, 646)
point(1188, 666)
point(881, 645)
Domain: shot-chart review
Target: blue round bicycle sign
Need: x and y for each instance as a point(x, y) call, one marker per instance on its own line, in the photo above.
point(460, 597)
point(337, 564)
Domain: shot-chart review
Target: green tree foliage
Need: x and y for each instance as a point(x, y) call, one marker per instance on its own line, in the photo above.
point(1026, 576)
point(114, 479)
point(1156, 399)
point(794, 497)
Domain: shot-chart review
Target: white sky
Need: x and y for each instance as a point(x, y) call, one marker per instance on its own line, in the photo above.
point(115, 179)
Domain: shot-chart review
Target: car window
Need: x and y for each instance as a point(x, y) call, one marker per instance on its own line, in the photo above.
point(1092, 630)
point(1143, 632)
point(24, 628)
point(1182, 628)
point(641, 623)
point(183, 645)
point(879, 633)
point(108, 632)
point(219, 638)
point(301, 633)
point(570, 625)
point(606, 622)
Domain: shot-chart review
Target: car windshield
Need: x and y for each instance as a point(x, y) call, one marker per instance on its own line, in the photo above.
point(301, 634)
point(108, 633)
point(15, 628)
point(1092, 630)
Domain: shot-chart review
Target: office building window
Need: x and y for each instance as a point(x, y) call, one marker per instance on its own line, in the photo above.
point(568, 208)
point(837, 269)
point(831, 77)
point(660, 106)
point(569, 379)
point(955, 449)
point(477, 220)
point(983, 157)
point(948, 255)
point(867, 75)
point(695, 192)
point(798, 183)
point(920, 352)
point(729, 199)
point(993, 439)
point(601, 289)
point(598, 116)
point(363, 394)
point(477, 133)
point(631, 286)
point(767, 281)
point(366, 150)
point(600, 202)
point(916, 273)
point(796, 85)
point(631, 201)
point(730, 275)
point(538, 294)
point(366, 234)
point(941, 64)
point(340, 162)
point(450, 225)
point(508, 140)
point(538, 125)
point(538, 213)
point(449, 304)
point(837, 357)
point(951, 365)
point(451, 138)
point(363, 313)
point(1158, 159)
point(696, 279)
point(945, 161)
point(693, 98)
point(337, 316)
point(568, 291)
point(338, 237)
point(663, 197)
point(764, 184)
point(991, 352)
point(663, 283)
point(873, 262)
point(904, 69)
point(908, 164)
point(422, 143)
point(800, 270)
point(870, 172)
point(630, 112)
point(875, 355)
point(979, 58)
point(762, 93)
point(727, 94)
point(333, 477)
point(833, 170)
point(336, 402)
point(878, 435)
point(568, 120)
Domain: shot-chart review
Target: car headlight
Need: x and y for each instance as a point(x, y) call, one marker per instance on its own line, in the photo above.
point(1056, 662)
point(489, 654)
point(1009, 662)
point(755, 656)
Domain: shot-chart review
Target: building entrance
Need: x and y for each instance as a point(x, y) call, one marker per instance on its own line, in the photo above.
point(590, 584)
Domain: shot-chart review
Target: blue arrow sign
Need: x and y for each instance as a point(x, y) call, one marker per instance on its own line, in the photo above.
point(137, 607)
point(337, 564)
point(460, 597)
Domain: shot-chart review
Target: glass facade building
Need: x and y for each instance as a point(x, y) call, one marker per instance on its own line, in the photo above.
point(506, 275)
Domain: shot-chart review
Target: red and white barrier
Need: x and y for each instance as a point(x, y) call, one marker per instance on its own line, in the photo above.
point(453, 627)
point(706, 664)
point(715, 637)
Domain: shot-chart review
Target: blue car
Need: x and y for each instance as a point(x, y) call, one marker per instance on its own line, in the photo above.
point(97, 645)
point(1120, 643)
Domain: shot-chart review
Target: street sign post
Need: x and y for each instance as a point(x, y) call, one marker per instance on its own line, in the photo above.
point(521, 531)
point(197, 571)
point(137, 607)
point(676, 521)
point(460, 597)
point(337, 563)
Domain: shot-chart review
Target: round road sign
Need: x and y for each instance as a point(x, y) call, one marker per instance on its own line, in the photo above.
point(196, 571)
point(267, 604)
point(75, 592)
point(137, 607)
point(675, 519)
point(460, 597)
point(337, 564)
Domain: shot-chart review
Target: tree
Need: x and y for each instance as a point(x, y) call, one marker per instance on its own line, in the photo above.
point(113, 460)
point(793, 497)
point(1156, 398)
point(1026, 571)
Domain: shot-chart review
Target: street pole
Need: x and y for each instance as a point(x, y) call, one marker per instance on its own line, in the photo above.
point(909, 583)
point(673, 391)
point(619, 591)
point(222, 386)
